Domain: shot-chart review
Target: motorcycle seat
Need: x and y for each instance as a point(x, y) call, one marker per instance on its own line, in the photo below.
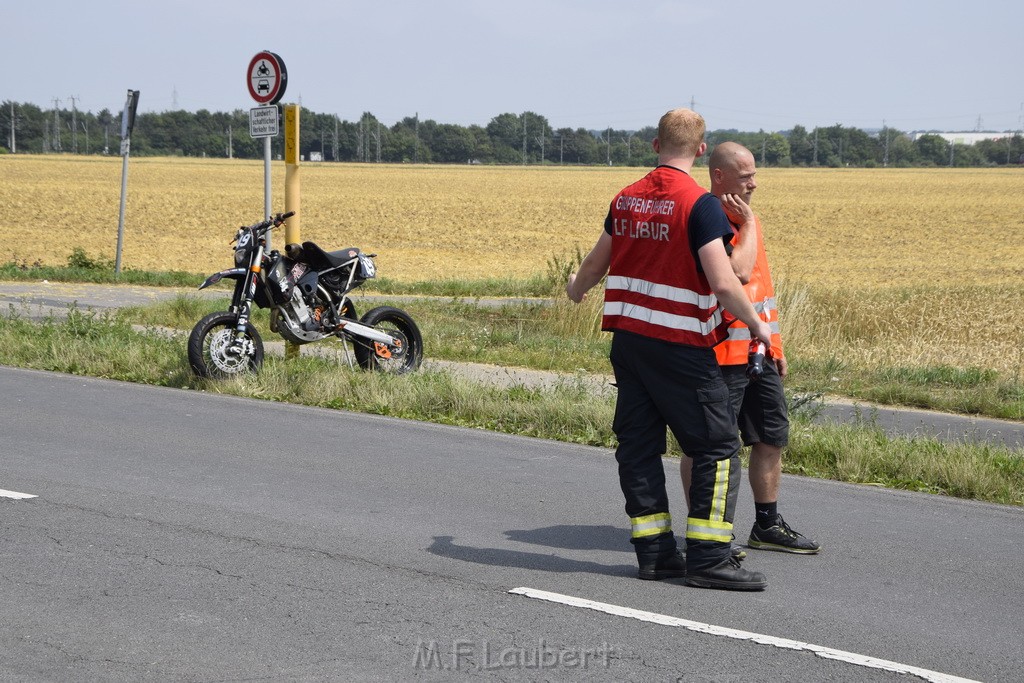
point(321, 260)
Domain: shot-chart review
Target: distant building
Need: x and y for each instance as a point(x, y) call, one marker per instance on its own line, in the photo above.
point(964, 138)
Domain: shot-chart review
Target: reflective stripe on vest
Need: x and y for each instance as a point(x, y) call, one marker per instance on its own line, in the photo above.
point(652, 301)
point(733, 351)
point(651, 525)
point(658, 291)
point(743, 334)
point(765, 309)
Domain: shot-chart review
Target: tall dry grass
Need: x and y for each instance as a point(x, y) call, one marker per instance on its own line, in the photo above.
point(920, 326)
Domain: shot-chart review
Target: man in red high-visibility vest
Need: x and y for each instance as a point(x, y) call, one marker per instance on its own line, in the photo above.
point(760, 404)
point(669, 277)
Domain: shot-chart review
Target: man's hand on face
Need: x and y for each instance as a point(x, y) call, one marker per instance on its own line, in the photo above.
point(736, 209)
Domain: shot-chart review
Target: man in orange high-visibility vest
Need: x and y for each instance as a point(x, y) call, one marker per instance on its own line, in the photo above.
point(760, 404)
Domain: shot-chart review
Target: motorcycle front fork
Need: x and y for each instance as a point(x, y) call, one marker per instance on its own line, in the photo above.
point(238, 339)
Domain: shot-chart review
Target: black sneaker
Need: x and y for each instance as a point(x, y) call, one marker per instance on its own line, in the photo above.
point(669, 567)
point(780, 537)
point(728, 575)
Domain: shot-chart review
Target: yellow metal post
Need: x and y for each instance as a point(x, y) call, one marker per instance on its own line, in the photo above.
point(292, 195)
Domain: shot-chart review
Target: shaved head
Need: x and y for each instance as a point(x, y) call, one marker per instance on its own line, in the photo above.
point(732, 170)
point(728, 155)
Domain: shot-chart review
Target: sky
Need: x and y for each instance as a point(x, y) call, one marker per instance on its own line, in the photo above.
point(750, 65)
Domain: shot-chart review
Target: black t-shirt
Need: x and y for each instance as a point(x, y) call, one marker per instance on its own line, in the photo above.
point(707, 222)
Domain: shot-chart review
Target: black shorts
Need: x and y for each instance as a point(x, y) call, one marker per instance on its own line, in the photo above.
point(760, 406)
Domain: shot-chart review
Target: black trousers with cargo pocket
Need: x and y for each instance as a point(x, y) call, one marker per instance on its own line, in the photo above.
point(661, 385)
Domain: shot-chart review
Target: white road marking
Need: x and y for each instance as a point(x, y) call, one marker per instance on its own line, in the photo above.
point(824, 652)
point(15, 494)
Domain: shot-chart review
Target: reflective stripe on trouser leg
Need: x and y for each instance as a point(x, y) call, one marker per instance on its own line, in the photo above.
point(708, 530)
point(651, 525)
point(717, 527)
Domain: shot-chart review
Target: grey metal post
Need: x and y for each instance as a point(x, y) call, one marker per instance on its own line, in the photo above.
point(124, 194)
point(266, 184)
point(127, 123)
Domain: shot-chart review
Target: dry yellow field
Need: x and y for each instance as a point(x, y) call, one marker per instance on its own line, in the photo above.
point(879, 227)
point(878, 268)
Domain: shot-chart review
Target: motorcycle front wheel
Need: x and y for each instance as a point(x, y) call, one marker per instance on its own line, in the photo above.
point(216, 351)
point(400, 359)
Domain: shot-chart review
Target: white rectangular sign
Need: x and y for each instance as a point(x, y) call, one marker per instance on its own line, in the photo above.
point(263, 121)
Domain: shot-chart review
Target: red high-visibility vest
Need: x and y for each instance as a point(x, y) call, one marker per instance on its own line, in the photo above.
point(654, 287)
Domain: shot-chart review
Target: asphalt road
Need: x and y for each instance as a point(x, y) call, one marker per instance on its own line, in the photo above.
point(180, 535)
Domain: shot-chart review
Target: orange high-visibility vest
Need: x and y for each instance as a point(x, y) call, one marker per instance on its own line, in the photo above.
point(654, 287)
point(761, 292)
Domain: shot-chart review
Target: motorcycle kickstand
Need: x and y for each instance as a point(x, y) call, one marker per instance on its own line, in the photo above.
point(348, 352)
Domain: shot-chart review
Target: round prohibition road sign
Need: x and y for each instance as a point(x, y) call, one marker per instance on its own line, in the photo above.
point(268, 78)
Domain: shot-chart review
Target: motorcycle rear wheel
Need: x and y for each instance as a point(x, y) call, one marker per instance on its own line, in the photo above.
point(212, 354)
point(397, 323)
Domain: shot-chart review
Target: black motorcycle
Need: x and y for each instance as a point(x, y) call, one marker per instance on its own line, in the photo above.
point(307, 291)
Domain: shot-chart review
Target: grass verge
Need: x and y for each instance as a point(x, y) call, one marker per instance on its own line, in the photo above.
point(84, 268)
point(868, 344)
point(106, 345)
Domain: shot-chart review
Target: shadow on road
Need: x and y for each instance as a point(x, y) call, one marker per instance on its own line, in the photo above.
point(574, 537)
point(444, 546)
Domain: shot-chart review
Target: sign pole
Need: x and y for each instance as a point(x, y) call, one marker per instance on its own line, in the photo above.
point(120, 218)
point(127, 124)
point(267, 207)
point(266, 80)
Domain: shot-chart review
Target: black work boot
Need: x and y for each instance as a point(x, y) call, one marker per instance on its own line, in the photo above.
point(659, 566)
point(728, 575)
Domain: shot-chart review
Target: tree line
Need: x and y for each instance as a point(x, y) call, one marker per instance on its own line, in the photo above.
point(508, 138)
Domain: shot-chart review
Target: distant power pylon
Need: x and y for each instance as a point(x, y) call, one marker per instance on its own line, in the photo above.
point(74, 124)
point(885, 153)
point(55, 144)
point(14, 144)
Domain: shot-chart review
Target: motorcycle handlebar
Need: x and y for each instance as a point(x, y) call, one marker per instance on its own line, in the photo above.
point(265, 227)
point(273, 222)
point(282, 217)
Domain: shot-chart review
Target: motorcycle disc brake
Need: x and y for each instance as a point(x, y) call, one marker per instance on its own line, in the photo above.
point(230, 356)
